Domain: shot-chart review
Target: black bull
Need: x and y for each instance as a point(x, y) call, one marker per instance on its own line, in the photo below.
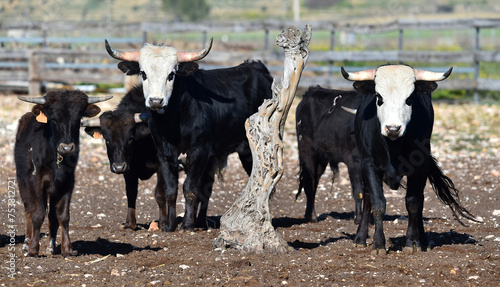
point(46, 153)
point(389, 160)
point(325, 135)
point(130, 150)
point(205, 120)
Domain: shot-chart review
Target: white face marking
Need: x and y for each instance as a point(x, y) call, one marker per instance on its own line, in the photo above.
point(394, 84)
point(158, 64)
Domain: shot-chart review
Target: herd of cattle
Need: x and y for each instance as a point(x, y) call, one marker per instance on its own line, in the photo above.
point(381, 131)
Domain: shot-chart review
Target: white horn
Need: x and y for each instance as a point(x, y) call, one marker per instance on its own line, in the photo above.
point(422, 75)
point(366, 75)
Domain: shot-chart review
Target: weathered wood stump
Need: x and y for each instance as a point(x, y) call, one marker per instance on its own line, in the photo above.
point(246, 226)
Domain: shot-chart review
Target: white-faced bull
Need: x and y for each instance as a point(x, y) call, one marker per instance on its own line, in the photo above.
point(201, 113)
point(46, 153)
point(393, 128)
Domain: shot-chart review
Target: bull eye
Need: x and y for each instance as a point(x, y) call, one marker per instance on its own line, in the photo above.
point(143, 75)
point(171, 76)
point(409, 100)
point(380, 100)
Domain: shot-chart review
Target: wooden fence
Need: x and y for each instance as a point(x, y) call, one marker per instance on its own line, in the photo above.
point(29, 67)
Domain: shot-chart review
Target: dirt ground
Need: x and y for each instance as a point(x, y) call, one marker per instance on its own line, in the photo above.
point(466, 142)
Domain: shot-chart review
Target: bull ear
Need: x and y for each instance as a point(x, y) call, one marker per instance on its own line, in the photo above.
point(187, 69)
point(425, 86)
point(91, 111)
point(94, 132)
point(365, 87)
point(129, 68)
point(37, 109)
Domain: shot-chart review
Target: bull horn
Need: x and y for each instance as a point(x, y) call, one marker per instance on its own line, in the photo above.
point(349, 110)
point(422, 75)
point(132, 56)
point(366, 75)
point(93, 100)
point(141, 117)
point(34, 100)
point(194, 56)
point(94, 122)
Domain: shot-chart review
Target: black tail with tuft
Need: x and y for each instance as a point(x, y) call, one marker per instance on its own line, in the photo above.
point(445, 189)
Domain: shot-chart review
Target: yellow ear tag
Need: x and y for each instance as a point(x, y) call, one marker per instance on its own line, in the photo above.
point(41, 118)
point(97, 135)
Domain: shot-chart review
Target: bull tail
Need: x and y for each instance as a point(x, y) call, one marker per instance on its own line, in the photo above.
point(445, 189)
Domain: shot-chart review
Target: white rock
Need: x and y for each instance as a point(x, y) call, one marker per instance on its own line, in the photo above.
point(475, 277)
point(183, 267)
point(496, 212)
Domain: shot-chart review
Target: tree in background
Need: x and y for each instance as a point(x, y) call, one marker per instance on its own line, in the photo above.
point(187, 10)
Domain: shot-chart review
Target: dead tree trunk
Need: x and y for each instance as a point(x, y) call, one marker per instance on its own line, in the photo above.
point(247, 226)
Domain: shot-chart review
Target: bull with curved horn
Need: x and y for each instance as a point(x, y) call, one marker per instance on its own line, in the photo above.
point(395, 87)
point(157, 66)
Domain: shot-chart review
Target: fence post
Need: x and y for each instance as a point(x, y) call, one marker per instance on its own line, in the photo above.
point(332, 46)
point(476, 66)
point(400, 44)
point(266, 40)
point(34, 83)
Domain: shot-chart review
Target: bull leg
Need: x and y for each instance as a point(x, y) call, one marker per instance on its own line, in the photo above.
point(161, 201)
point(378, 203)
point(53, 227)
point(170, 174)
point(204, 198)
point(63, 218)
point(37, 211)
point(364, 221)
point(131, 185)
point(354, 169)
point(193, 186)
point(245, 155)
point(37, 218)
point(311, 171)
point(28, 230)
point(415, 233)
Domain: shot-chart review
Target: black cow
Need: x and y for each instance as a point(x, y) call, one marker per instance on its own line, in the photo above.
point(131, 150)
point(325, 135)
point(393, 128)
point(201, 113)
point(46, 153)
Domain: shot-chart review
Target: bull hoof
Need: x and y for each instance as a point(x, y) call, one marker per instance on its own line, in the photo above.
point(127, 225)
point(169, 229)
point(359, 245)
point(70, 253)
point(187, 228)
point(378, 251)
point(413, 249)
point(32, 253)
point(312, 219)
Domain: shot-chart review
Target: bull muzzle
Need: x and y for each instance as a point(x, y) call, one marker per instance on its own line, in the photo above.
point(393, 131)
point(119, 168)
point(156, 103)
point(66, 148)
